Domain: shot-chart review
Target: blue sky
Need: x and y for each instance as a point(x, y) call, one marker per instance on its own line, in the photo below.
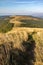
point(18, 7)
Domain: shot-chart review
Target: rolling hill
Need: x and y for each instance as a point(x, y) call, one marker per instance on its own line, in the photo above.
point(9, 22)
point(23, 43)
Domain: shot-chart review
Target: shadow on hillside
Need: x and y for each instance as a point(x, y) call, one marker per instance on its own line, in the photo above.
point(32, 23)
point(27, 57)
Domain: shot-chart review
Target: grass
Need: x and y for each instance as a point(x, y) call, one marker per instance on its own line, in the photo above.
point(39, 48)
point(5, 26)
point(32, 23)
point(24, 46)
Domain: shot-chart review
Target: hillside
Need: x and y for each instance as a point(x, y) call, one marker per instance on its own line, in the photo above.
point(9, 22)
point(21, 45)
point(27, 21)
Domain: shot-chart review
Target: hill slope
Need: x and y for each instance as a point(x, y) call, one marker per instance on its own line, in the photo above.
point(26, 21)
point(9, 22)
point(22, 45)
point(25, 43)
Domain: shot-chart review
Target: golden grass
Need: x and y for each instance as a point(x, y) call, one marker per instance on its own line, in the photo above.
point(18, 35)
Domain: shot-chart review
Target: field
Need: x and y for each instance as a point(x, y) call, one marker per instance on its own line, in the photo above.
point(21, 40)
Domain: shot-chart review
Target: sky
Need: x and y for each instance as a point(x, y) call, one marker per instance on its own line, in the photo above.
point(21, 7)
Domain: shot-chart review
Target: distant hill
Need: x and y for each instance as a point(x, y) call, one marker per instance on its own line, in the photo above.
point(27, 21)
point(9, 22)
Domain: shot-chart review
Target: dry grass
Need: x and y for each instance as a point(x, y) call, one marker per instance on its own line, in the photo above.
point(18, 35)
point(25, 44)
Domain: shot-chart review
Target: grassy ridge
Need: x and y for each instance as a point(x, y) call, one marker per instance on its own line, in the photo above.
point(7, 23)
point(21, 45)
